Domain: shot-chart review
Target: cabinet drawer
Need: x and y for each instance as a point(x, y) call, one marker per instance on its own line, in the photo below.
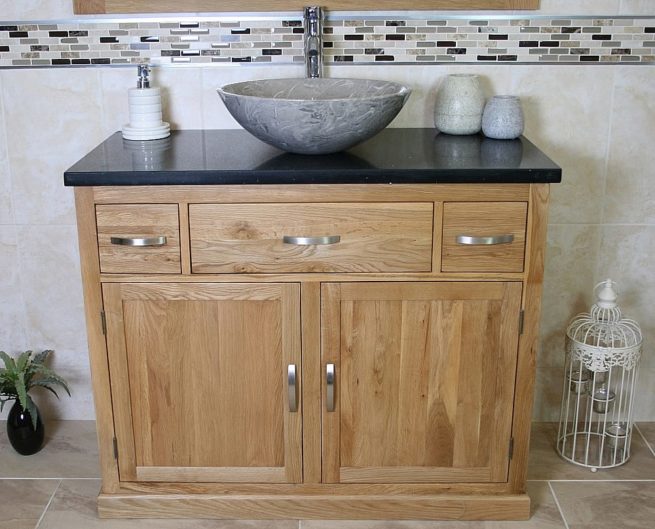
point(373, 237)
point(483, 237)
point(139, 238)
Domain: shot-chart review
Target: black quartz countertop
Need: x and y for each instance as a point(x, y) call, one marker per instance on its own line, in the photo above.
point(394, 156)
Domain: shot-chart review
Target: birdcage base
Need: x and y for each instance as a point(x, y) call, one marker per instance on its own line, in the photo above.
point(593, 450)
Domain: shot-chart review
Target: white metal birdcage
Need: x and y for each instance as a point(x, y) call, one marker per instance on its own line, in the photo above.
point(602, 360)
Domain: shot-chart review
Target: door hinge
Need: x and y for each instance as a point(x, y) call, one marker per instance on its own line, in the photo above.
point(521, 318)
point(103, 322)
point(511, 447)
point(115, 442)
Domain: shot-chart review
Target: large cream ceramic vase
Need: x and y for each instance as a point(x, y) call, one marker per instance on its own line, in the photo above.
point(459, 105)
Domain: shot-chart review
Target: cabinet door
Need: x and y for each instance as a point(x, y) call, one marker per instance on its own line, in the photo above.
point(199, 376)
point(424, 381)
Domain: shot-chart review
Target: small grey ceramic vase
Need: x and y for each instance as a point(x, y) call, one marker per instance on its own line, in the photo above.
point(503, 118)
point(459, 104)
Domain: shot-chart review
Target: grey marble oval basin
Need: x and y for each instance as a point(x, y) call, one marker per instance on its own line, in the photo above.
point(314, 116)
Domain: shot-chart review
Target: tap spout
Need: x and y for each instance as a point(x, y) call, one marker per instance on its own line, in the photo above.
point(313, 23)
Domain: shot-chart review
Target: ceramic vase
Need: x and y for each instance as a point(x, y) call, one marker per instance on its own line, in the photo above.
point(459, 105)
point(503, 118)
point(25, 439)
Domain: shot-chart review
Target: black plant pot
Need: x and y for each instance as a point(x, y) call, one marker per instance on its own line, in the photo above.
point(22, 435)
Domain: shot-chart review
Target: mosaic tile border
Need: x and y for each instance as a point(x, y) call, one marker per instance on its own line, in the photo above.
point(366, 39)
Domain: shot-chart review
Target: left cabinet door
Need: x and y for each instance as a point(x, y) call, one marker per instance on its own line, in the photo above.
point(200, 377)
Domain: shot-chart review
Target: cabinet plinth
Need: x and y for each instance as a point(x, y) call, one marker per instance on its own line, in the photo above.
point(337, 352)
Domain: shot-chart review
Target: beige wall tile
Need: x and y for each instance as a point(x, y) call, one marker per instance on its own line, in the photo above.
point(12, 307)
point(607, 505)
point(548, 393)
point(568, 282)
point(579, 7)
point(637, 7)
point(51, 286)
point(23, 502)
point(181, 87)
point(630, 195)
point(35, 9)
point(114, 84)
point(52, 117)
point(627, 254)
point(6, 202)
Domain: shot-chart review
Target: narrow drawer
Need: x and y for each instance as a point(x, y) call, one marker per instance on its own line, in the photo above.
point(365, 237)
point(139, 238)
point(483, 236)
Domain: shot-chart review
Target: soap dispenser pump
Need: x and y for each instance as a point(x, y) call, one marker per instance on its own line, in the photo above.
point(145, 110)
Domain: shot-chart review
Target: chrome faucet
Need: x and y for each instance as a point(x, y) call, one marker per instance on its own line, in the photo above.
point(313, 23)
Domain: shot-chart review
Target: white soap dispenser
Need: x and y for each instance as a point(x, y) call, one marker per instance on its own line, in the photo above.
point(145, 110)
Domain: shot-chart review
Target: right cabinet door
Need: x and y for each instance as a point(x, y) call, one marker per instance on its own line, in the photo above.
point(418, 381)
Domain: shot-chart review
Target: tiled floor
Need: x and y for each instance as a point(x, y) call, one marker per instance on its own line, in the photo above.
point(56, 489)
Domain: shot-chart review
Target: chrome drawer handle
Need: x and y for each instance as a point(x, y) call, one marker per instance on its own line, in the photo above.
point(307, 241)
point(494, 239)
point(135, 241)
point(292, 387)
point(330, 375)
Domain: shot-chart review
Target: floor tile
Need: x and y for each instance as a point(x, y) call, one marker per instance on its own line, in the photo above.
point(74, 507)
point(647, 429)
point(22, 501)
point(617, 505)
point(70, 451)
point(545, 515)
point(545, 463)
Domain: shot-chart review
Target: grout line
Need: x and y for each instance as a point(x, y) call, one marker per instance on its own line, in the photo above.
point(595, 480)
point(650, 447)
point(559, 507)
point(47, 505)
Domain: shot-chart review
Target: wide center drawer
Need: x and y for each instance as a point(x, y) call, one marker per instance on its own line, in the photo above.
point(322, 237)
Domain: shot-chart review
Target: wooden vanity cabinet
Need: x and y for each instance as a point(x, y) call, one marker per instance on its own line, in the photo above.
point(383, 371)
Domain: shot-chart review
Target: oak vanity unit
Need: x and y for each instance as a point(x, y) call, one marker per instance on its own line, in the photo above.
point(340, 337)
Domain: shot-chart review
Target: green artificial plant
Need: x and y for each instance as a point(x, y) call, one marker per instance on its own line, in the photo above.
point(22, 374)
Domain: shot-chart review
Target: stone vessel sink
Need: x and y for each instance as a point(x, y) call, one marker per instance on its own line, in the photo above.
point(314, 116)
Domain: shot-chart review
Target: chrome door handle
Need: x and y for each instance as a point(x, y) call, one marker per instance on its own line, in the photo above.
point(136, 241)
point(493, 239)
point(330, 374)
point(292, 386)
point(307, 241)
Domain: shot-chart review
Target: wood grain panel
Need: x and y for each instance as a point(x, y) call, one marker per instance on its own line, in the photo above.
point(344, 507)
point(205, 367)
point(425, 381)
point(311, 381)
point(199, 6)
point(312, 193)
point(143, 220)
point(244, 238)
point(93, 305)
point(211, 474)
point(364, 489)
point(526, 369)
point(483, 220)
